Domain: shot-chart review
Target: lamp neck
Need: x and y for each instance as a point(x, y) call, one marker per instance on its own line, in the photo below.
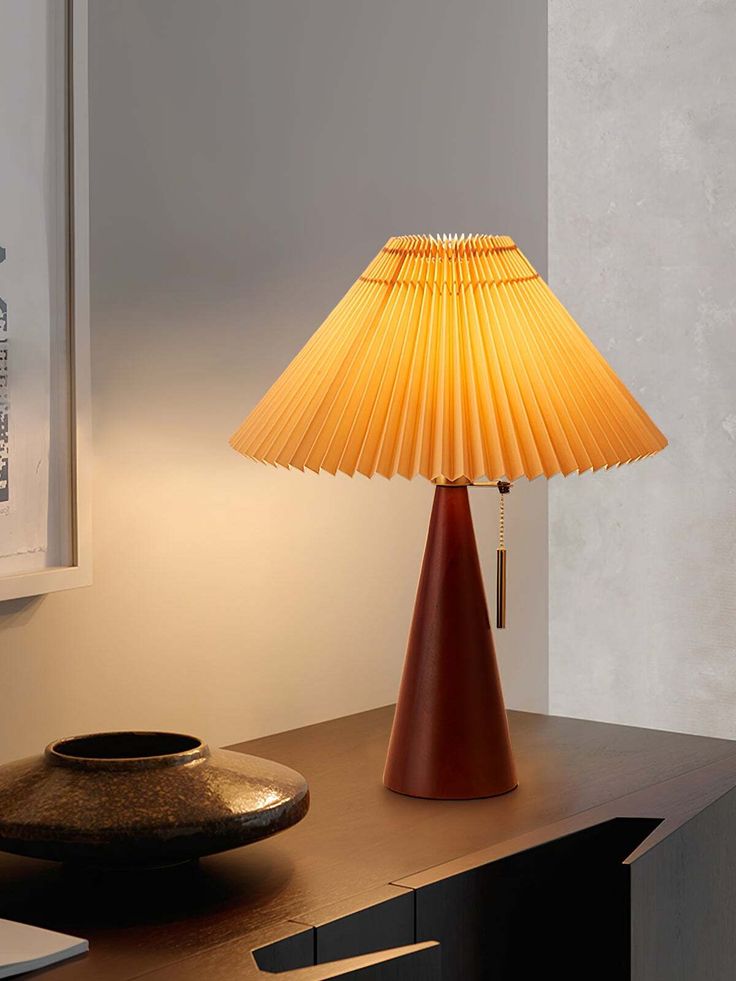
point(503, 486)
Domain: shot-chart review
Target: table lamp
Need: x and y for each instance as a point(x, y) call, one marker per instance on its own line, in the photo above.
point(450, 358)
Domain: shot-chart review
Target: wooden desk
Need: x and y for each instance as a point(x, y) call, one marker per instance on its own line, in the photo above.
point(499, 882)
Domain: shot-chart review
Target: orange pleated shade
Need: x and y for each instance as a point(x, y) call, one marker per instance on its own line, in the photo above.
point(450, 358)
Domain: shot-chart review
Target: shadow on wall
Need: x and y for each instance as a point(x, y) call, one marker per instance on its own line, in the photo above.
point(18, 612)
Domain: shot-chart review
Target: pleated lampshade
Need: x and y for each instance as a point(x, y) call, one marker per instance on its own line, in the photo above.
point(450, 358)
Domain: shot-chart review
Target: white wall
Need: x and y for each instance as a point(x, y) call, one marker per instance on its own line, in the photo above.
point(642, 233)
point(247, 161)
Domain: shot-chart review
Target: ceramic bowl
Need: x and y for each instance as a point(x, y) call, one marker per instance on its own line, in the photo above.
point(126, 799)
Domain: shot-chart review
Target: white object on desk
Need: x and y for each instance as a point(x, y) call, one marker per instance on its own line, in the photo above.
point(26, 948)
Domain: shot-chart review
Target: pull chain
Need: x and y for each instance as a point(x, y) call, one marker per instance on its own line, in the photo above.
point(501, 515)
point(503, 489)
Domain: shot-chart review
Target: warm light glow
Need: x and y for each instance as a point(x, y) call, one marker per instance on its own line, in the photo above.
point(450, 358)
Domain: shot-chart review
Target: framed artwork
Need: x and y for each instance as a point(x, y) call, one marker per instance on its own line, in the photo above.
point(45, 448)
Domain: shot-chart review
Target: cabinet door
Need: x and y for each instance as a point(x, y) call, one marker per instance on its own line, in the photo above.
point(683, 900)
point(560, 908)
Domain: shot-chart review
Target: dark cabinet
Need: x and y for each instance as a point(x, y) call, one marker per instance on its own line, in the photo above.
point(615, 859)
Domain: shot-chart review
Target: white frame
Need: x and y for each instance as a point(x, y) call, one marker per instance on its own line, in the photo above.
point(79, 573)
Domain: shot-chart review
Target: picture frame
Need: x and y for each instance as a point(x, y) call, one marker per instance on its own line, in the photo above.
point(59, 557)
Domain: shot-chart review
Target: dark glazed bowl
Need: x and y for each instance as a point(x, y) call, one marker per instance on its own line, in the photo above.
point(128, 799)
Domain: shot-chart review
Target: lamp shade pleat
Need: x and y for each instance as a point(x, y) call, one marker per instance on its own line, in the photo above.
point(450, 358)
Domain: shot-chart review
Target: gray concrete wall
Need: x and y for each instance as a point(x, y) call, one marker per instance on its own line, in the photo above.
point(642, 249)
point(248, 159)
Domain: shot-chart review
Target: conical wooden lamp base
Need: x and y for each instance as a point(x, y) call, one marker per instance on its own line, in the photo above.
point(450, 737)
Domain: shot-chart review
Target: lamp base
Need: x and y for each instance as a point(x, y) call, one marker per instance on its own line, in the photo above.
point(450, 737)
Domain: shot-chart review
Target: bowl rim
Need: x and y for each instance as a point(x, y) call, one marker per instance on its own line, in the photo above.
point(193, 749)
